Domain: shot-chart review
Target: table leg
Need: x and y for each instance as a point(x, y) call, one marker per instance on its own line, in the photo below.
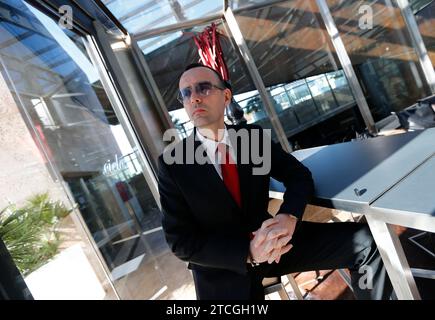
point(394, 259)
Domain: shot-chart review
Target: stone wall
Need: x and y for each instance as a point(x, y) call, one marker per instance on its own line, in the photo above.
point(23, 171)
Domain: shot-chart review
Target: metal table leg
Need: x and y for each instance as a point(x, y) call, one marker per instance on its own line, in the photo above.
point(394, 259)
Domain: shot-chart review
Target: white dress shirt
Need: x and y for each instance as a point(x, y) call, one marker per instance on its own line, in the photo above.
point(211, 148)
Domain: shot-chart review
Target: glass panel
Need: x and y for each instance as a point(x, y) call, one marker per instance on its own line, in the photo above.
point(237, 4)
point(53, 81)
point(339, 86)
point(382, 55)
point(424, 11)
point(321, 92)
point(138, 16)
point(169, 54)
point(301, 71)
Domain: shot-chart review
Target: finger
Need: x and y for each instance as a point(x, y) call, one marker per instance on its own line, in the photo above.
point(283, 250)
point(286, 249)
point(274, 255)
point(269, 235)
point(260, 234)
point(268, 222)
point(259, 237)
point(278, 252)
point(277, 259)
point(284, 240)
point(275, 243)
point(276, 232)
point(271, 245)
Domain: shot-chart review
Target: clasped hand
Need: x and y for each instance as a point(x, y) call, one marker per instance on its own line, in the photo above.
point(271, 241)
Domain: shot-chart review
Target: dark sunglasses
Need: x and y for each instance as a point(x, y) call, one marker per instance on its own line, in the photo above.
point(201, 88)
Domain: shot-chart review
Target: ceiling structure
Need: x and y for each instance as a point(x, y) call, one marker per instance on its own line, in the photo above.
point(287, 39)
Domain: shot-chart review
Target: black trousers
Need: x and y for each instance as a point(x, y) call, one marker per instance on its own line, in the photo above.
point(325, 246)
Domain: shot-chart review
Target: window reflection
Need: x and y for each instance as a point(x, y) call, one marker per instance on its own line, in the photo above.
point(167, 56)
point(138, 16)
point(53, 80)
point(238, 4)
point(301, 71)
point(383, 56)
point(301, 101)
point(424, 11)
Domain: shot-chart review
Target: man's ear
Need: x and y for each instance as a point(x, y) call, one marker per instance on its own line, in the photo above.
point(228, 96)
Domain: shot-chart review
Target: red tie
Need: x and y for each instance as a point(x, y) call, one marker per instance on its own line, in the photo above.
point(230, 174)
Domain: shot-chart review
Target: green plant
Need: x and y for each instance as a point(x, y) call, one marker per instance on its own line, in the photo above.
point(30, 232)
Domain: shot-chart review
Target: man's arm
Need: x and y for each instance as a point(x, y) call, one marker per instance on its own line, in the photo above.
point(188, 241)
point(299, 188)
point(296, 178)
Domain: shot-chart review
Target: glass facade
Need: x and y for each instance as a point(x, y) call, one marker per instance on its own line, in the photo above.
point(142, 15)
point(382, 54)
point(56, 86)
point(299, 66)
point(61, 127)
point(304, 78)
point(424, 11)
point(168, 54)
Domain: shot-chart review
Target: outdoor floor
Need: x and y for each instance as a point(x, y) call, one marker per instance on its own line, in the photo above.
point(332, 286)
point(326, 285)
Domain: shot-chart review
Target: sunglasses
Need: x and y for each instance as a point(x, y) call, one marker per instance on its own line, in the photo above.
point(202, 89)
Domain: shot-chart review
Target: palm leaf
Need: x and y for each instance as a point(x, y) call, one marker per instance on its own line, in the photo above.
point(30, 232)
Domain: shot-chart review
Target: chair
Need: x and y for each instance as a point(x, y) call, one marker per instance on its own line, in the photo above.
point(275, 284)
point(421, 235)
point(424, 273)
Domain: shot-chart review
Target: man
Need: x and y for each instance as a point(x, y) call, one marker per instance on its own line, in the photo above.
point(215, 213)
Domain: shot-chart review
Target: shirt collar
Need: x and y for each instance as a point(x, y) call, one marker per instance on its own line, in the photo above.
point(211, 145)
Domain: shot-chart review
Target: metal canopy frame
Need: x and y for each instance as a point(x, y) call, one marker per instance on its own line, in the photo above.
point(228, 16)
point(418, 43)
point(246, 58)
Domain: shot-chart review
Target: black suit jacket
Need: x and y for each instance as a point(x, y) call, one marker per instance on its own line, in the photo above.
point(204, 226)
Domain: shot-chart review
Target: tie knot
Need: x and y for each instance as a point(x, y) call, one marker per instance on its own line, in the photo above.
point(222, 148)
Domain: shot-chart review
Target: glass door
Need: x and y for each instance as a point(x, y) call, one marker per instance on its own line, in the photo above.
point(61, 98)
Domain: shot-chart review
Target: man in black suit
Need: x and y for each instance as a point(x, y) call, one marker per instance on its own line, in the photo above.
point(215, 212)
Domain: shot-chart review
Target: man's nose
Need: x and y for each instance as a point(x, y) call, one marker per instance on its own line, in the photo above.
point(195, 97)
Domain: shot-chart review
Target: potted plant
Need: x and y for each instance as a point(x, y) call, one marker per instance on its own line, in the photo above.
point(30, 232)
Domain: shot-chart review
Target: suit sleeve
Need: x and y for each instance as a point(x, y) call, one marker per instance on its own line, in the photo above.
point(296, 178)
point(187, 240)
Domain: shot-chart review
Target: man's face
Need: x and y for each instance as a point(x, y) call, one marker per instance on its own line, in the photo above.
point(204, 111)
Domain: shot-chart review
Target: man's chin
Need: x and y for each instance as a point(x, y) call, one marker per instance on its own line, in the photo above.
point(200, 123)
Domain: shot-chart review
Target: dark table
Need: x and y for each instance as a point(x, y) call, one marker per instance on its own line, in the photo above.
point(391, 180)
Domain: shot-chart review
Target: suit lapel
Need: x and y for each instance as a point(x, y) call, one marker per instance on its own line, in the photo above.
point(206, 175)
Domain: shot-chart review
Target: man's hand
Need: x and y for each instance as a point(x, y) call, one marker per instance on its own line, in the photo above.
point(271, 240)
point(288, 223)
